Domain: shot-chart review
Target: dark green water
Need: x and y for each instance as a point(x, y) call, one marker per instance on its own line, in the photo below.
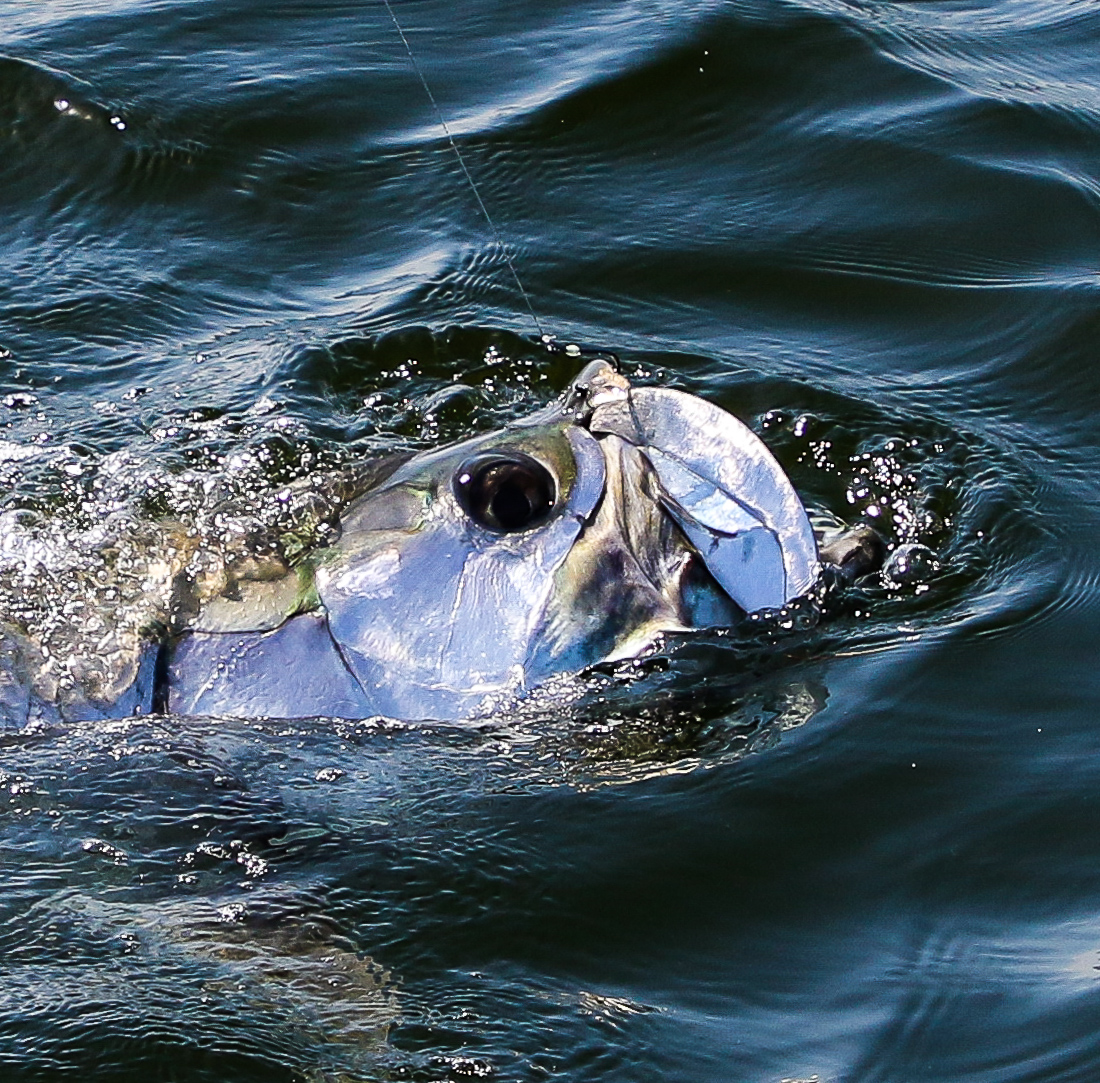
point(238, 251)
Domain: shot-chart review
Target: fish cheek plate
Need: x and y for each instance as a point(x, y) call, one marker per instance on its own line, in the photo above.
point(438, 623)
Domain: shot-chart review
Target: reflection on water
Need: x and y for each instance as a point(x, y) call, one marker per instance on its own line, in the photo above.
point(241, 261)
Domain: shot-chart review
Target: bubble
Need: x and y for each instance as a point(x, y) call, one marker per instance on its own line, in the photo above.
point(910, 564)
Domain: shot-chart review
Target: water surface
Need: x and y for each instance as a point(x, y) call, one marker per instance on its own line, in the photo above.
point(239, 252)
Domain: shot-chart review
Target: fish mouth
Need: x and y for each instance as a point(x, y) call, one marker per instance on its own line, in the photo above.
point(713, 476)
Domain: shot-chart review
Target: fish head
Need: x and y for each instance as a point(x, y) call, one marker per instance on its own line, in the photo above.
point(617, 514)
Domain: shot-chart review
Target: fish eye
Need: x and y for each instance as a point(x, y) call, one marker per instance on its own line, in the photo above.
point(506, 491)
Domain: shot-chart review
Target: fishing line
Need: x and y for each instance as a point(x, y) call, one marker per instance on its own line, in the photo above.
point(466, 173)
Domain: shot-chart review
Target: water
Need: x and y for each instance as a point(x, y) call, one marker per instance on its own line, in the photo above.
point(240, 258)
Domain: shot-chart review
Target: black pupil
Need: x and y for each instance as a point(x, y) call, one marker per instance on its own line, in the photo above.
point(505, 492)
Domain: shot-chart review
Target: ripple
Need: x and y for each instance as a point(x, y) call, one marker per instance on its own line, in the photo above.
point(974, 46)
point(1027, 983)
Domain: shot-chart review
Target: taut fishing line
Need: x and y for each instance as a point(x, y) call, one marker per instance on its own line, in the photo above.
point(466, 172)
